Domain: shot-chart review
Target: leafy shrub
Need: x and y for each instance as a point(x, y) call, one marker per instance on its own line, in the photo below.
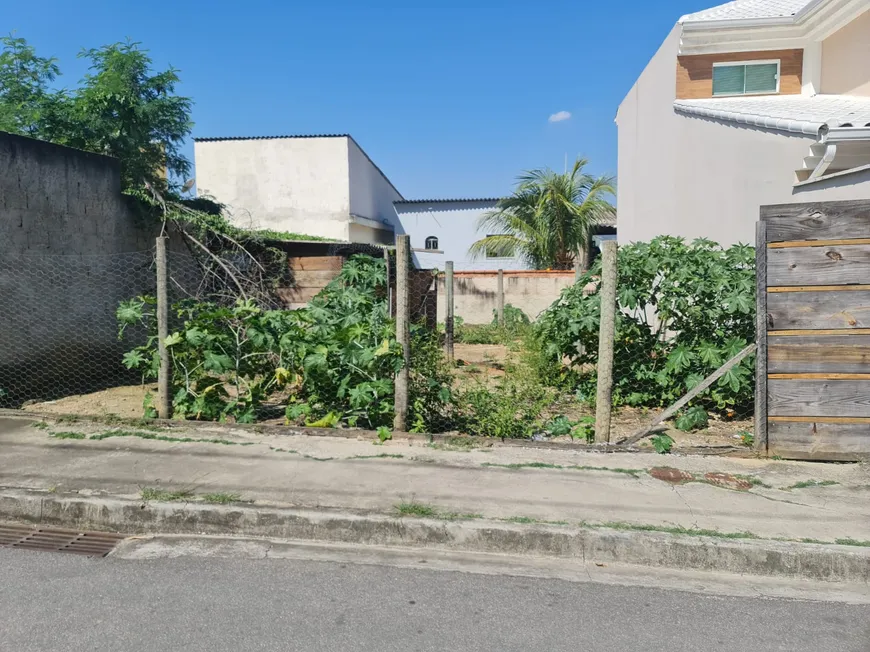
point(516, 324)
point(693, 418)
point(662, 443)
point(510, 409)
point(683, 310)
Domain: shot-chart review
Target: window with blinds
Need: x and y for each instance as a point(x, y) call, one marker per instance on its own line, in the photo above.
point(749, 78)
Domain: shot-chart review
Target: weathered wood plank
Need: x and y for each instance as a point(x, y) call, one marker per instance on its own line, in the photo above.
point(761, 336)
point(819, 441)
point(791, 244)
point(816, 288)
point(818, 332)
point(818, 376)
point(818, 398)
point(817, 221)
point(865, 420)
point(818, 354)
point(834, 265)
point(818, 310)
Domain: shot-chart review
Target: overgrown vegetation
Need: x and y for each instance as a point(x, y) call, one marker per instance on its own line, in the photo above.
point(683, 310)
point(331, 363)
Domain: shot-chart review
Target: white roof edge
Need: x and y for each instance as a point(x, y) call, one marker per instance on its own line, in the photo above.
point(803, 127)
point(761, 21)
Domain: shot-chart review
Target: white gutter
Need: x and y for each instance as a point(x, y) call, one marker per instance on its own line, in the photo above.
point(845, 134)
point(804, 127)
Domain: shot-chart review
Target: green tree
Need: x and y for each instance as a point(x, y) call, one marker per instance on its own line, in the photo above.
point(547, 219)
point(122, 108)
point(24, 94)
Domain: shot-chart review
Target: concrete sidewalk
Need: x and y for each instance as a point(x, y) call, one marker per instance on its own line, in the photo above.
point(784, 500)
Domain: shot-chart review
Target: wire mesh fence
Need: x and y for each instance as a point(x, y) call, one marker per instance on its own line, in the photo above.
point(244, 348)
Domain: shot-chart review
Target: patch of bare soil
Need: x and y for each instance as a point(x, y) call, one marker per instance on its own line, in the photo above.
point(123, 401)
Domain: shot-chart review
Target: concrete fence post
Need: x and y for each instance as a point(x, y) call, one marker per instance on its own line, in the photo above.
point(389, 285)
point(164, 374)
point(448, 303)
point(403, 331)
point(500, 299)
point(607, 327)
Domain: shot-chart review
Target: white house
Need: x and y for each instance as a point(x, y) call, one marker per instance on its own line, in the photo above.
point(327, 186)
point(444, 229)
point(315, 185)
point(751, 102)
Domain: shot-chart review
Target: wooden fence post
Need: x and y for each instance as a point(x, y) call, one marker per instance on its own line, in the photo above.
point(403, 331)
point(448, 303)
point(164, 374)
point(760, 418)
point(500, 298)
point(607, 326)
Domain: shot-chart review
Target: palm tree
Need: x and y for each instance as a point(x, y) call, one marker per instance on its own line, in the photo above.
point(547, 219)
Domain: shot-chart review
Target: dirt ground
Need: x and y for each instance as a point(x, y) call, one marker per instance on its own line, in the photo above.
point(476, 363)
point(123, 401)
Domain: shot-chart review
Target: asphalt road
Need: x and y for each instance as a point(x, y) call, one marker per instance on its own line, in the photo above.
point(51, 601)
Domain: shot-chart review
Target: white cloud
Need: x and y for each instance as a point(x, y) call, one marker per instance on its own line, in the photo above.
point(560, 116)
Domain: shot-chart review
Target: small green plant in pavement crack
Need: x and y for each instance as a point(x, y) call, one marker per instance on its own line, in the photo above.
point(162, 495)
point(68, 435)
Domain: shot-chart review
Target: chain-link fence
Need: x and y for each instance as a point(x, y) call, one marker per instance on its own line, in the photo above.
point(495, 353)
point(518, 371)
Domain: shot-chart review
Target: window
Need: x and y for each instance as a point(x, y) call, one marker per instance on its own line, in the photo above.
point(746, 78)
point(498, 252)
point(432, 243)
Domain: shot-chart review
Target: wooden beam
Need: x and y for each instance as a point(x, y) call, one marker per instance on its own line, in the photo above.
point(760, 416)
point(818, 288)
point(820, 419)
point(818, 376)
point(676, 407)
point(800, 332)
point(794, 244)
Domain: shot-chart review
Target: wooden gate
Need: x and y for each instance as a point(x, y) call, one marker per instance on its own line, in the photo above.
point(813, 389)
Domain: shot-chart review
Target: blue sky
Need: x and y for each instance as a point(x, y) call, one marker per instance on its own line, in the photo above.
point(449, 98)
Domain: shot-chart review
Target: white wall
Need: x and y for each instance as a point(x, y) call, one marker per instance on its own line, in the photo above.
point(692, 177)
point(846, 59)
point(371, 193)
point(455, 226)
point(289, 184)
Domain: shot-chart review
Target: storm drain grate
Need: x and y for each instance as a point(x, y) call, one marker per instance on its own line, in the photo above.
point(98, 544)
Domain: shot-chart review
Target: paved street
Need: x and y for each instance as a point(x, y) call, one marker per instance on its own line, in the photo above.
point(53, 601)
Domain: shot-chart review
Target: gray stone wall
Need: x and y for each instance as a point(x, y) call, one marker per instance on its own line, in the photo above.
point(71, 248)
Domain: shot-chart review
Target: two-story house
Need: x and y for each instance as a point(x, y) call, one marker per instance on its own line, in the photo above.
point(749, 103)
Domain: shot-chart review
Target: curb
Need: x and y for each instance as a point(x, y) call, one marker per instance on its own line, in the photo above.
point(831, 563)
point(356, 433)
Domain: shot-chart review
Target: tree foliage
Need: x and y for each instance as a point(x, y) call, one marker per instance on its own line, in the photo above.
point(683, 310)
point(547, 219)
point(121, 108)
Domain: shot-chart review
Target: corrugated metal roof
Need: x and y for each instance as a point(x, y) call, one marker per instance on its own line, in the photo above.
point(449, 201)
point(799, 114)
point(750, 10)
point(216, 138)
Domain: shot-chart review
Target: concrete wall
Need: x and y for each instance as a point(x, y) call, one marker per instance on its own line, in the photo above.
point(288, 184)
point(475, 293)
point(455, 226)
point(371, 193)
point(846, 59)
point(70, 250)
point(692, 177)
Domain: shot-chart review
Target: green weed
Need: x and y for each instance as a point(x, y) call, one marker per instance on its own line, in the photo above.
point(221, 498)
point(416, 509)
point(852, 542)
point(68, 435)
point(803, 484)
point(395, 456)
point(162, 495)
